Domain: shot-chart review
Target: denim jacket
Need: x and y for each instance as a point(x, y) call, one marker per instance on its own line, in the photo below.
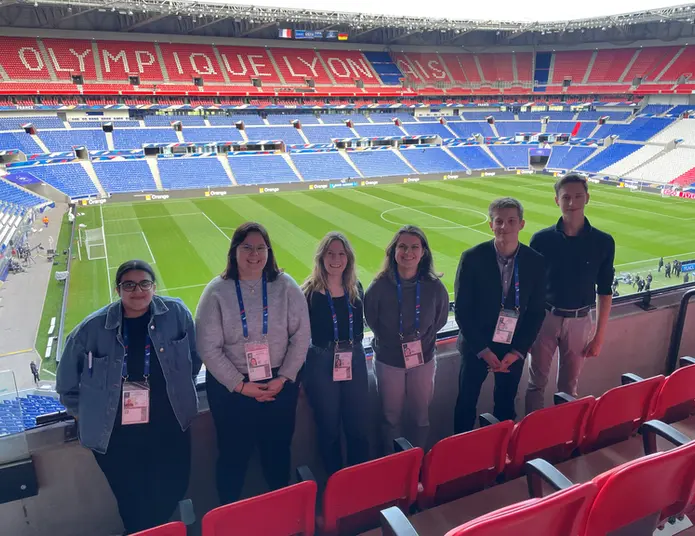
point(94, 398)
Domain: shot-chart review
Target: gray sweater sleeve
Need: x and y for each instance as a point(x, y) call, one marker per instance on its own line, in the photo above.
point(298, 331)
point(210, 338)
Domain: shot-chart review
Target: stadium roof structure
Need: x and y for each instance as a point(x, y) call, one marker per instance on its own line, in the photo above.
point(217, 19)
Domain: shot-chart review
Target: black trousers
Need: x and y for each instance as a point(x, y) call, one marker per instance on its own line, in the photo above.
point(471, 377)
point(242, 423)
point(334, 403)
point(148, 471)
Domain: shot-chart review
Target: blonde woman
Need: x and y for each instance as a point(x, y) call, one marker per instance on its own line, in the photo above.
point(405, 306)
point(335, 374)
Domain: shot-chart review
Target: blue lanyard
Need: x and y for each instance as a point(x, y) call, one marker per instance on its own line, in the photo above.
point(242, 310)
point(516, 287)
point(148, 349)
point(400, 304)
point(335, 317)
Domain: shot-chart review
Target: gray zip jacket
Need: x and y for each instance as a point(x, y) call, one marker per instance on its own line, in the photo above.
point(94, 398)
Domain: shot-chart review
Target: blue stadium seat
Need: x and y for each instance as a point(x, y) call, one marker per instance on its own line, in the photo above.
point(510, 128)
point(602, 112)
point(65, 140)
point(566, 127)
point(286, 119)
point(15, 123)
point(466, 129)
point(167, 120)
point(611, 129)
point(478, 116)
point(681, 108)
point(324, 134)
point(288, 134)
point(568, 157)
point(134, 138)
point(554, 116)
point(211, 134)
point(379, 163)
point(198, 172)
point(248, 119)
point(97, 124)
point(428, 129)
point(261, 169)
point(339, 119)
point(388, 117)
point(609, 156)
point(655, 109)
point(323, 166)
point(432, 160)
point(71, 179)
point(125, 176)
point(474, 157)
point(20, 414)
point(378, 131)
point(10, 193)
point(643, 128)
point(22, 141)
point(511, 156)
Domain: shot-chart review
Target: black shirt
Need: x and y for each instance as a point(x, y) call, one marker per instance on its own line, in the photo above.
point(322, 320)
point(161, 412)
point(577, 267)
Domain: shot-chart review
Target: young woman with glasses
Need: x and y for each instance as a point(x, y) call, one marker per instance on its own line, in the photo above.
point(335, 374)
point(127, 375)
point(405, 306)
point(253, 334)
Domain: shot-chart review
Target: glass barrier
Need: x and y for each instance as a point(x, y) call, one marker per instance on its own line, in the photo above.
point(17, 413)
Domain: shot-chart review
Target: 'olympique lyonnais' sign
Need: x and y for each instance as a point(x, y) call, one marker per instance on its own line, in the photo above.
point(677, 193)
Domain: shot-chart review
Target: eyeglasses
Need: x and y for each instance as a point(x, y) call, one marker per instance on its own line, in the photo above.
point(248, 249)
point(130, 286)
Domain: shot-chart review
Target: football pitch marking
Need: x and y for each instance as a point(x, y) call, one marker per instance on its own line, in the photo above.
point(216, 226)
point(106, 255)
point(453, 223)
point(154, 261)
point(458, 226)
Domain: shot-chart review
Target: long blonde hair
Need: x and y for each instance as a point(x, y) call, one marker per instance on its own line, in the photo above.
point(318, 279)
point(425, 269)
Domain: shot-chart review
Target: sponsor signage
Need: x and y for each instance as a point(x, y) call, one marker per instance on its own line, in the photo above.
point(156, 197)
point(524, 172)
point(688, 266)
point(668, 192)
point(411, 179)
point(488, 174)
point(369, 183)
point(93, 201)
point(214, 193)
point(318, 187)
point(308, 34)
point(343, 185)
point(268, 190)
point(450, 177)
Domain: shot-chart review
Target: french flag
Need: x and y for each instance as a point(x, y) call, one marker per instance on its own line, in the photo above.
point(285, 33)
point(576, 128)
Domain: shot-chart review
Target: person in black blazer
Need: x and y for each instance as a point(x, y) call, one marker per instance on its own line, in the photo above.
point(489, 298)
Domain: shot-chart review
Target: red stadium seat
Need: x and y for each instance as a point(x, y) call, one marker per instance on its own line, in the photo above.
point(675, 400)
point(619, 412)
point(170, 529)
point(551, 433)
point(464, 463)
point(286, 511)
point(355, 495)
point(562, 513)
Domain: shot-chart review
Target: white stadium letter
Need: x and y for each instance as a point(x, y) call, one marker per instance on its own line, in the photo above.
point(360, 68)
point(118, 57)
point(139, 59)
point(37, 58)
point(80, 60)
point(311, 65)
point(241, 64)
point(406, 69)
point(255, 65)
point(178, 62)
point(345, 72)
point(209, 69)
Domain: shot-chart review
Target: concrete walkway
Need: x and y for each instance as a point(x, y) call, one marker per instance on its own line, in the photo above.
point(21, 304)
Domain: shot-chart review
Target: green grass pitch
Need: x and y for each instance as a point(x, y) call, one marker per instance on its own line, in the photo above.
point(187, 240)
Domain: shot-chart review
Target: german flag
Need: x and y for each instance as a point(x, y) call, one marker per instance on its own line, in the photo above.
point(342, 37)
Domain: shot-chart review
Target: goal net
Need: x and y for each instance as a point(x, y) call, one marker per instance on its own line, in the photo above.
point(94, 243)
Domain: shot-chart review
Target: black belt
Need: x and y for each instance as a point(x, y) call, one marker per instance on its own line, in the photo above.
point(568, 313)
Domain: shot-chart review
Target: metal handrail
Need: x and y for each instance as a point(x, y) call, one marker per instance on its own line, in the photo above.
point(677, 333)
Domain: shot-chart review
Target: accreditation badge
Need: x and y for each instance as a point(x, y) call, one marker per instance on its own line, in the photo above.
point(135, 403)
point(506, 325)
point(342, 363)
point(258, 361)
point(412, 353)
